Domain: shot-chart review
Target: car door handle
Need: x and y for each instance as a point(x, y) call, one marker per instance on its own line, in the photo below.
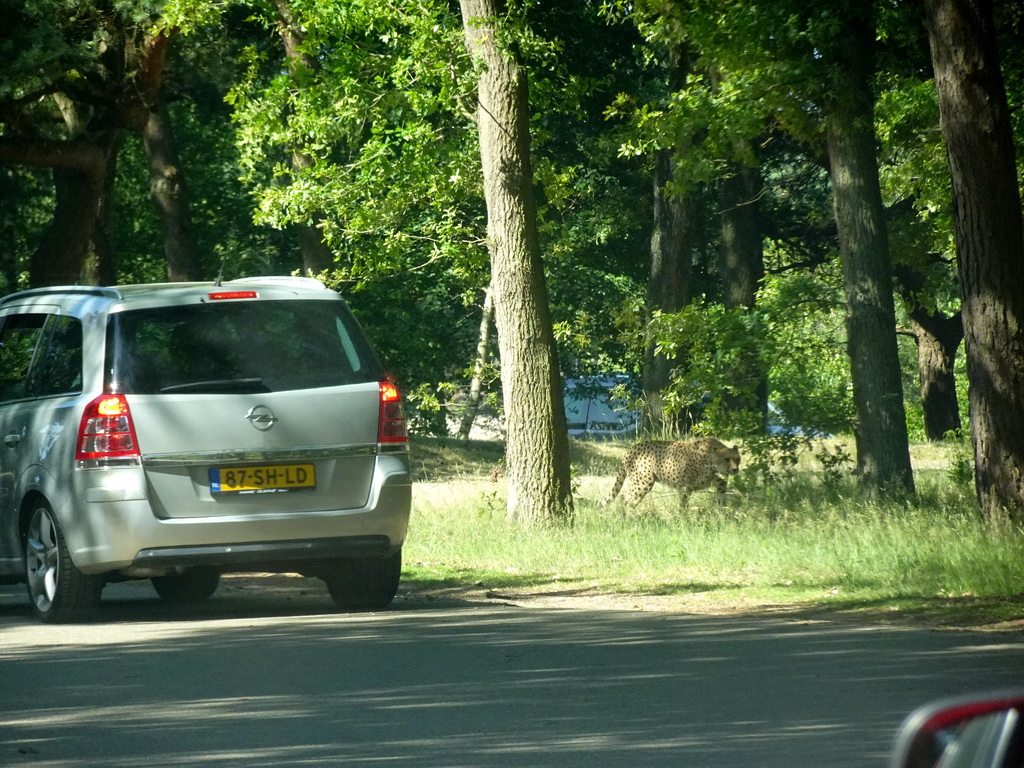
point(12, 440)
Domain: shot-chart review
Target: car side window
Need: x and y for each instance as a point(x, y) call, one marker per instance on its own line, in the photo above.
point(58, 369)
point(19, 339)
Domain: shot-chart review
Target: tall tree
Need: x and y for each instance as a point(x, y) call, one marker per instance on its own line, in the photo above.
point(883, 451)
point(938, 337)
point(741, 263)
point(989, 232)
point(475, 396)
point(741, 256)
point(669, 287)
point(668, 284)
point(537, 444)
point(167, 185)
point(62, 74)
point(316, 255)
point(391, 176)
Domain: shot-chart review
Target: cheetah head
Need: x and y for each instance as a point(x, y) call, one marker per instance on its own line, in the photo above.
point(726, 459)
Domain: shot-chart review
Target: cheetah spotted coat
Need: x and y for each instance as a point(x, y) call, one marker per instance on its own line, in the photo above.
point(686, 466)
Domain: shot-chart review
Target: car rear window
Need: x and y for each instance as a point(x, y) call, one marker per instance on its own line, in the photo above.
point(263, 346)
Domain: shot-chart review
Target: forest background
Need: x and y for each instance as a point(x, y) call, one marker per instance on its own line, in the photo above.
point(735, 203)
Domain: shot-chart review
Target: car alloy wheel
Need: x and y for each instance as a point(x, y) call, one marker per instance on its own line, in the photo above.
point(58, 590)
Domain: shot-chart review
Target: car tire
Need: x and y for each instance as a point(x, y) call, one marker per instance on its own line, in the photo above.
point(193, 585)
point(58, 591)
point(365, 583)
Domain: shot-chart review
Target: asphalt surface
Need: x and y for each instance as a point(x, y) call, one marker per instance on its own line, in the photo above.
point(275, 677)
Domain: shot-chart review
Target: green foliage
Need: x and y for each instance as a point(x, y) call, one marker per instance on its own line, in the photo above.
point(961, 464)
point(384, 120)
point(748, 64)
point(391, 164)
point(593, 204)
point(24, 216)
point(912, 160)
point(421, 330)
point(770, 456)
point(796, 209)
point(794, 338)
point(726, 355)
point(390, 173)
point(48, 42)
point(809, 376)
point(65, 69)
point(199, 70)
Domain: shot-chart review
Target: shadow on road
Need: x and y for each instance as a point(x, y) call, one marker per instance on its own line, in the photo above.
point(275, 677)
point(238, 596)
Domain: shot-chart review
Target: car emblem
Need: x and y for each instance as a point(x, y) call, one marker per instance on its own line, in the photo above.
point(261, 417)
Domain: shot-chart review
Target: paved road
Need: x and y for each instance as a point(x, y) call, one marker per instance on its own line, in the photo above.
point(276, 679)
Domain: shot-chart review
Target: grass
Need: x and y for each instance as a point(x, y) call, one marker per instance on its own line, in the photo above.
point(812, 542)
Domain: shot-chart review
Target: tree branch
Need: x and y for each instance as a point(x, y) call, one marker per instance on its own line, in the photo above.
point(73, 155)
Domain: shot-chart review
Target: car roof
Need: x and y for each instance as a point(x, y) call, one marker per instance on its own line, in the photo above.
point(160, 294)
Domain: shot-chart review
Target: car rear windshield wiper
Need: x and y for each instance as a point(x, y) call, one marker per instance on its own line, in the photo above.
point(220, 386)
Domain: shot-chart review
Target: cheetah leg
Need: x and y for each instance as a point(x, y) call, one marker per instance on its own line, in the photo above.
point(721, 484)
point(636, 492)
point(684, 499)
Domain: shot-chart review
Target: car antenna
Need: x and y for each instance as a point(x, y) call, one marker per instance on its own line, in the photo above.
point(220, 273)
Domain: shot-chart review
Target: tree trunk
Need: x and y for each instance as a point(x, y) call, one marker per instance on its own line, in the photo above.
point(883, 450)
point(169, 194)
point(80, 171)
point(741, 262)
point(668, 289)
point(669, 282)
point(537, 447)
point(741, 258)
point(101, 264)
point(989, 233)
point(166, 182)
point(483, 353)
point(938, 338)
point(316, 255)
point(61, 255)
point(78, 243)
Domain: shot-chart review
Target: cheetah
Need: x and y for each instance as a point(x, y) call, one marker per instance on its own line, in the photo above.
point(686, 466)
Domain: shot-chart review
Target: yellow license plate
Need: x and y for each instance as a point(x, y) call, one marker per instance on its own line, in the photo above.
point(274, 478)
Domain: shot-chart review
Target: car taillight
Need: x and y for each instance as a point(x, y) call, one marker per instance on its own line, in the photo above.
point(106, 430)
point(392, 415)
point(222, 295)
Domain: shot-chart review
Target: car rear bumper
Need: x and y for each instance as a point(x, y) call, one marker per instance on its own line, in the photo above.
point(268, 555)
point(127, 537)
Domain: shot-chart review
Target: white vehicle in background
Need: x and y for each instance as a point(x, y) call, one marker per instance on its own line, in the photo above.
point(601, 407)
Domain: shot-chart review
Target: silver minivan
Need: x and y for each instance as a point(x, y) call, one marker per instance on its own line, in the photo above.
point(179, 431)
